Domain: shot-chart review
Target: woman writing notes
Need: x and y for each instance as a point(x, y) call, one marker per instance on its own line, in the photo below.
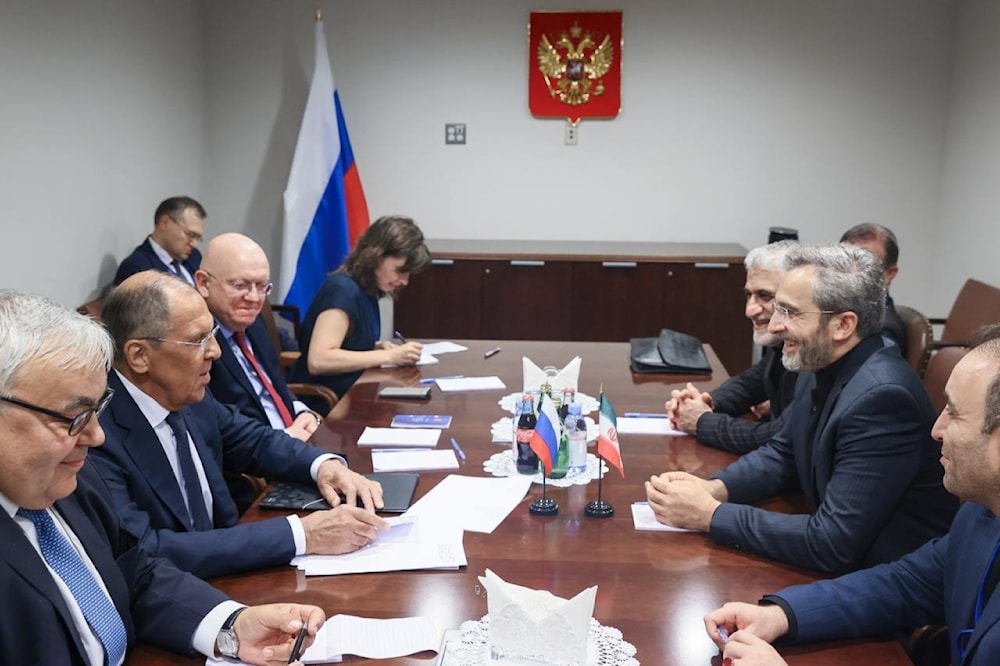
point(340, 334)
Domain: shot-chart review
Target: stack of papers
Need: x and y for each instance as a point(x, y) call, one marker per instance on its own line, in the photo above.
point(470, 384)
point(365, 637)
point(394, 460)
point(400, 438)
point(420, 421)
point(645, 521)
point(471, 503)
point(409, 544)
point(444, 347)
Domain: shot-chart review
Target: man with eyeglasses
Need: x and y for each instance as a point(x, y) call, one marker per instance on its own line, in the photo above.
point(178, 227)
point(77, 587)
point(856, 443)
point(951, 580)
point(766, 389)
point(169, 444)
point(235, 279)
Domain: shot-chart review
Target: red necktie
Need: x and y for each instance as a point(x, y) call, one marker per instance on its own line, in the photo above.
point(286, 416)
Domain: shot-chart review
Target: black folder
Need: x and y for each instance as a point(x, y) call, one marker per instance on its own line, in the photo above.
point(397, 493)
point(670, 352)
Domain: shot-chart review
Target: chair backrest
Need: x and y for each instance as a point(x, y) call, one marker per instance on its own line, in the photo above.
point(919, 335)
point(938, 370)
point(977, 303)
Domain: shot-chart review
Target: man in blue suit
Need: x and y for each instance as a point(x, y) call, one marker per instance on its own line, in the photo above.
point(77, 588)
point(856, 443)
point(234, 279)
point(950, 580)
point(178, 227)
point(169, 443)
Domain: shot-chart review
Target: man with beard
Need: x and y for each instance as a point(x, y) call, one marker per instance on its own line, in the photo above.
point(857, 441)
point(951, 580)
point(766, 389)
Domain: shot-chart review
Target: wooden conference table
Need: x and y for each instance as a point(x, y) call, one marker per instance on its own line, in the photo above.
point(655, 587)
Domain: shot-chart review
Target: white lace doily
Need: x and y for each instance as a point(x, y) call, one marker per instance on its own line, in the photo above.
point(605, 647)
point(502, 464)
point(503, 430)
point(587, 403)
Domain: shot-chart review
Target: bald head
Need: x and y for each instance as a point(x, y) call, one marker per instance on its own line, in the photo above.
point(234, 279)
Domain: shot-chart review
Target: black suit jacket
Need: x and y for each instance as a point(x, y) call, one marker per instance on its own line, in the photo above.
point(864, 458)
point(766, 380)
point(148, 497)
point(143, 258)
point(158, 603)
point(229, 383)
point(893, 326)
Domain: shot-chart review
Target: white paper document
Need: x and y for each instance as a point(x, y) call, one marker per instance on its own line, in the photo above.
point(366, 637)
point(410, 543)
point(384, 460)
point(444, 347)
point(647, 426)
point(426, 358)
point(400, 437)
point(472, 503)
point(645, 521)
point(471, 384)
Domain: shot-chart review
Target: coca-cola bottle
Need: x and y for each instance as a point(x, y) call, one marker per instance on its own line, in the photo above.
point(525, 459)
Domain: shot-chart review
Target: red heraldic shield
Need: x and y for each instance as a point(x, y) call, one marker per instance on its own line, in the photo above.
point(575, 65)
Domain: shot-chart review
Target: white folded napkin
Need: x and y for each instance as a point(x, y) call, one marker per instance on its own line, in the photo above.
point(568, 377)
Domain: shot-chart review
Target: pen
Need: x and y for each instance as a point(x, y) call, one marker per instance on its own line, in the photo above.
point(431, 380)
point(643, 415)
point(399, 336)
point(458, 449)
point(297, 648)
point(723, 633)
point(492, 352)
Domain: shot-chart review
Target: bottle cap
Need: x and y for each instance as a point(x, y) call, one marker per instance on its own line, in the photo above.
point(575, 408)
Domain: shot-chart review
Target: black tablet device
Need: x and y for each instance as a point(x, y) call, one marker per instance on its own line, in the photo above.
point(397, 493)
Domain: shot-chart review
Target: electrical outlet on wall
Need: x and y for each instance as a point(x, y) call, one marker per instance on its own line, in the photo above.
point(571, 134)
point(454, 133)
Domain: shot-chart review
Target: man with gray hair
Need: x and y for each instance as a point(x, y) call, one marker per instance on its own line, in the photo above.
point(77, 586)
point(766, 389)
point(881, 242)
point(857, 441)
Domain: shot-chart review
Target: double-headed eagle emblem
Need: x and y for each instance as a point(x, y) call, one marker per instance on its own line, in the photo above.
point(573, 71)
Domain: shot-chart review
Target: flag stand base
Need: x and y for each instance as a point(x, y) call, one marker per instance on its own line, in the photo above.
point(544, 506)
point(599, 509)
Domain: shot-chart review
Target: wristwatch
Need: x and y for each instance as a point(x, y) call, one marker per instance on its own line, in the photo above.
point(227, 644)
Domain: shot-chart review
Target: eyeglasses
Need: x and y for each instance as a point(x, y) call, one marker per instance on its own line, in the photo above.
point(785, 314)
point(192, 236)
point(200, 344)
point(76, 423)
point(262, 288)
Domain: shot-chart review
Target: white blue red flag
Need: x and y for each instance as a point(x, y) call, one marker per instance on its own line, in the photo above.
point(545, 441)
point(325, 208)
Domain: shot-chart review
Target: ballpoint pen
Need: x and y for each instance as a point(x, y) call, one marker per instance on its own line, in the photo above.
point(399, 336)
point(492, 352)
point(643, 415)
point(431, 380)
point(723, 633)
point(297, 648)
point(458, 449)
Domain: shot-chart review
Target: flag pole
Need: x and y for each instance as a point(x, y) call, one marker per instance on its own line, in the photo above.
point(543, 506)
point(599, 508)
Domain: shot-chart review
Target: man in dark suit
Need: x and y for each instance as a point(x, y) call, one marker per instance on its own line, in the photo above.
point(77, 587)
point(715, 418)
point(856, 444)
point(178, 227)
point(234, 279)
point(951, 580)
point(169, 443)
point(882, 243)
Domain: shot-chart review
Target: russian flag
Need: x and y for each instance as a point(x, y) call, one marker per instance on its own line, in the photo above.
point(325, 208)
point(545, 441)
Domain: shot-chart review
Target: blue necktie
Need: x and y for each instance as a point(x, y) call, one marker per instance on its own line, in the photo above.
point(192, 486)
point(100, 613)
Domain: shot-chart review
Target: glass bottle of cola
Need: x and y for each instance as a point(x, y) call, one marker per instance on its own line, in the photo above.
point(525, 459)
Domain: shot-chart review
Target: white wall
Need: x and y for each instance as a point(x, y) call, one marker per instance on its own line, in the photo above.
point(969, 230)
point(809, 114)
point(101, 117)
point(736, 116)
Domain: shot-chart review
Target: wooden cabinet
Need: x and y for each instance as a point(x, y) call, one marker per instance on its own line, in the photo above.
point(584, 291)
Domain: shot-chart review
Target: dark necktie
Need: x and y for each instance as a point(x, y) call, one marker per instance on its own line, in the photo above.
point(100, 613)
point(192, 487)
point(175, 266)
point(286, 416)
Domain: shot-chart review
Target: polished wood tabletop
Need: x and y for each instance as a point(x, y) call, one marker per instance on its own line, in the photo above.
point(655, 587)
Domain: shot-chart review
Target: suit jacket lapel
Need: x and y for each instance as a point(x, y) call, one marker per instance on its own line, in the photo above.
point(143, 446)
point(224, 512)
point(233, 367)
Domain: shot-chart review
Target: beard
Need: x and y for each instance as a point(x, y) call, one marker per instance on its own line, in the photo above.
point(812, 354)
point(766, 339)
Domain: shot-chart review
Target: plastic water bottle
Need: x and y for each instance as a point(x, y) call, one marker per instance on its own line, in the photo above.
point(576, 432)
